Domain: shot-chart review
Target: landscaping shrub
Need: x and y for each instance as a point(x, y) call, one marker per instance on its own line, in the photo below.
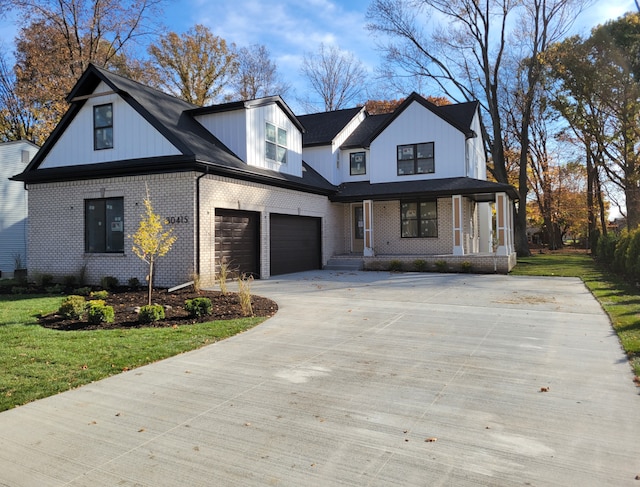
point(223, 275)
point(42, 280)
point(55, 289)
point(244, 292)
point(109, 282)
point(99, 294)
point(466, 267)
point(70, 282)
point(151, 313)
point(420, 265)
point(620, 253)
point(73, 307)
point(198, 307)
point(606, 247)
point(82, 291)
point(134, 283)
point(19, 290)
point(395, 265)
point(632, 261)
point(442, 265)
point(98, 312)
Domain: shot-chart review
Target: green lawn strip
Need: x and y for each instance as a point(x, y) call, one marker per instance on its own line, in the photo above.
point(36, 362)
point(620, 299)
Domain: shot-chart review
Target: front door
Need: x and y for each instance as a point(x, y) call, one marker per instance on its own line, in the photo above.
point(357, 229)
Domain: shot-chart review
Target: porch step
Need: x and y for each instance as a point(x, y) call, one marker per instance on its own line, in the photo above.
point(344, 264)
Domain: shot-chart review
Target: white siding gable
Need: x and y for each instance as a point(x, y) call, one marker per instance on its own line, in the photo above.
point(417, 124)
point(257, 118)
point(133, 136)
point(476, 155)
point(230, 128)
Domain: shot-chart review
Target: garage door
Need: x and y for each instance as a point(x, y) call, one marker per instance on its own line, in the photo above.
point(295, 244)
point(237, 240)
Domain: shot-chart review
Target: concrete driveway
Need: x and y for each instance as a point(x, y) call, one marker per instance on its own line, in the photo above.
point(361, 379)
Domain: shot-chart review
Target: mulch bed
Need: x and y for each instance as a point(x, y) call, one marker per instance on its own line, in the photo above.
point(124, 302)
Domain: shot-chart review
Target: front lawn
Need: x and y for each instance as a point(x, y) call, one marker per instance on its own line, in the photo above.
point(37, 362)
point(620, 299)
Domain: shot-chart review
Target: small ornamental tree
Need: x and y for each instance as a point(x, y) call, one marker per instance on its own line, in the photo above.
point(151, 240)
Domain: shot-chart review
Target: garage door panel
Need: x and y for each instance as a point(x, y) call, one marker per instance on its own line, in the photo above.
point(237, 243)
point(295, 244)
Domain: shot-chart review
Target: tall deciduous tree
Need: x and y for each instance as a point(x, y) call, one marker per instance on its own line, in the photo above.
point(257, 75)
point(57, 41)
point(334, 75)
point(466, 59)
point(196, 65)
point(598, 92)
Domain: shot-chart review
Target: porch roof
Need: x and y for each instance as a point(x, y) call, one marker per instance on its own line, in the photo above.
point(475, 189)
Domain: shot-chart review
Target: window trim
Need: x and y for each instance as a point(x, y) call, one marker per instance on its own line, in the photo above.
point(415, 160)
point(104, 237)
point(97, 127)
point(276, 143)
point(364, 163)
point(419, 219)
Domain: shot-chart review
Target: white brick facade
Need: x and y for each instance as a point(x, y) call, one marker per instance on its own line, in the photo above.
point(57, 215)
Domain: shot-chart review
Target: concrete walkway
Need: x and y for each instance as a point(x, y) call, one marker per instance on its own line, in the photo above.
point(361, 379)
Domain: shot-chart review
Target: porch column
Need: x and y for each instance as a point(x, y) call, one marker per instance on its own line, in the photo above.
point(367, 214)
point(504, 224)
point(456, 206)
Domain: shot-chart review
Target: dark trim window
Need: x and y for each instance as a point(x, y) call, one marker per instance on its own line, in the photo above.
point(419, 219)
point(103, 126)
point(416, 159)
point(357, 163)
point(104, 225)
point(276, 143)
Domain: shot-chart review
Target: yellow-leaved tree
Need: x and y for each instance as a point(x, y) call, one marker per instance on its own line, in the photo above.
point(151, 240)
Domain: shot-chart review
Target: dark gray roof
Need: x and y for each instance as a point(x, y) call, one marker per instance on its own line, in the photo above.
point(322, 128)
point(200, 149)
point(362, 135)
point(476, 189)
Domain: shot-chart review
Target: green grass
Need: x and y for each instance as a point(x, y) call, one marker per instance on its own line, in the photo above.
point(619, 298)
point(37, 362)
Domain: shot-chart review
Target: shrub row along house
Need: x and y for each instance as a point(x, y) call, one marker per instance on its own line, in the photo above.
point(253, 185)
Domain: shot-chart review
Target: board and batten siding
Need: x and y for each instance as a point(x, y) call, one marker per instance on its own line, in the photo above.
point(476, 152)
point(14, 157)
point(257, 117)
point(133, 136)
point(230, 128)
point(417, 124)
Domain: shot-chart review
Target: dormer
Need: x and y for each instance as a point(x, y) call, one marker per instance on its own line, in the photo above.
point(263, 133)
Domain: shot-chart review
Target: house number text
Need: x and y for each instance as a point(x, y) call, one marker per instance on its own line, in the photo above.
point(174, 220)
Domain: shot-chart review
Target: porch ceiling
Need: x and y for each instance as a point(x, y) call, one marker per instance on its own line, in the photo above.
point(475, 189)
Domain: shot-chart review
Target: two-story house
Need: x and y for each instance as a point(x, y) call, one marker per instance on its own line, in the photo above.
point(253, 185)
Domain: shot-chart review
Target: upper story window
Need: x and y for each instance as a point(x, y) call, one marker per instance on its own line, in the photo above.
point(103, 126)
point(276, 143)
point(416, 159)
point(357, 163)
point(104, 225)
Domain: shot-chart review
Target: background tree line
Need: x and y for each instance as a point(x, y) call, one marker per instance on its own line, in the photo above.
point(560, 113)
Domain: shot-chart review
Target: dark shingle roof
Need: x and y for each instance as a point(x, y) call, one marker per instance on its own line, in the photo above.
point(322, 128)
point(200, 149)
point(477, 189)
point(362, 135)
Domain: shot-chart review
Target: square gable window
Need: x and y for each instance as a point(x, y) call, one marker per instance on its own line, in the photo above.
point(276, 143)
point(416, 159)
point(358, 163)
point(103, 127)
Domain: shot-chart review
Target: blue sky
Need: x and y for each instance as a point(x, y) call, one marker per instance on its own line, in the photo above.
point(289, 28)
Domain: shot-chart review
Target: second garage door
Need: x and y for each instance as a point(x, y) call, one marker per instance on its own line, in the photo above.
point(295, 244)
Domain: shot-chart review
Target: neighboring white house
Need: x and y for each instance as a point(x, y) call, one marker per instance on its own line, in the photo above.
point(252, 184)
point(14, 158)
